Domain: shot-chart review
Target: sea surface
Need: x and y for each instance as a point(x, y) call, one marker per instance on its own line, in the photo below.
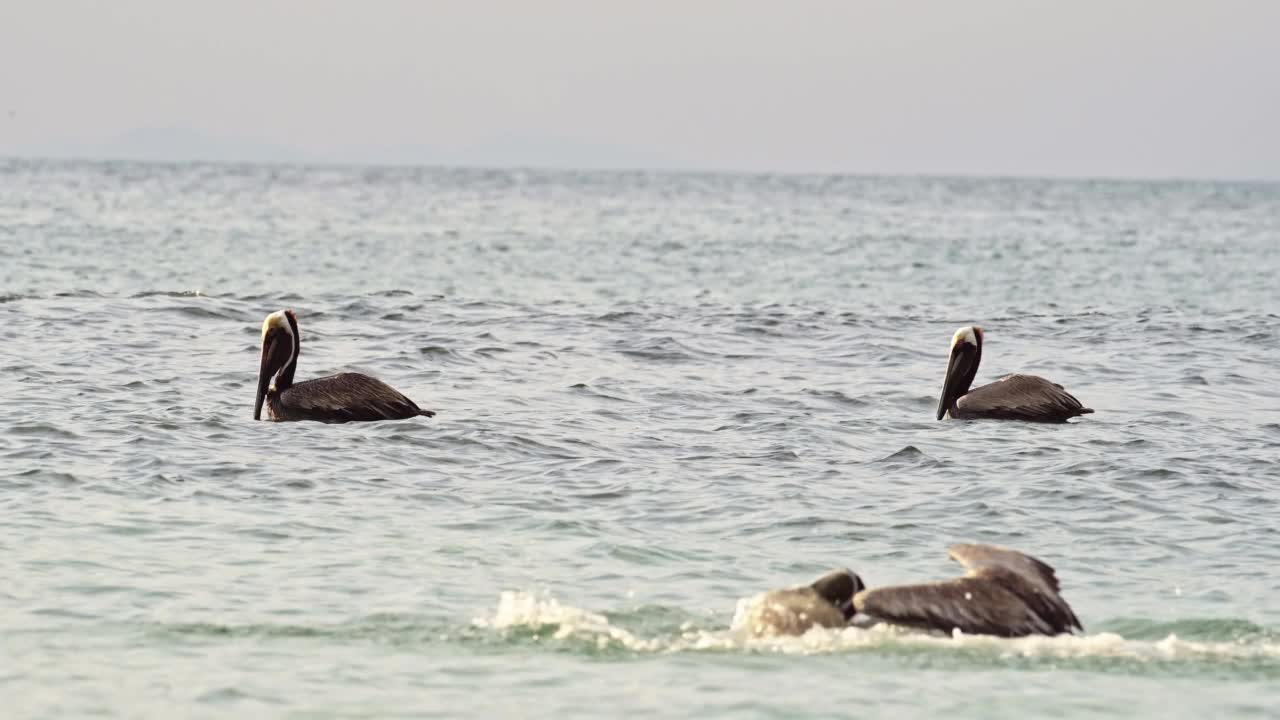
point(658, 395)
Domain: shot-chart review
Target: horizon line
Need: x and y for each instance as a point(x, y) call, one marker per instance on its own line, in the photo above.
point(688, 171)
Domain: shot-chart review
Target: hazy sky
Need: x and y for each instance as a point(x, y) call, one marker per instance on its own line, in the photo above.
point(1142, 88)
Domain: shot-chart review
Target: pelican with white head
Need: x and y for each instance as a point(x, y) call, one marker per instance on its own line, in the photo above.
point(1013, 397)
point(345, 397)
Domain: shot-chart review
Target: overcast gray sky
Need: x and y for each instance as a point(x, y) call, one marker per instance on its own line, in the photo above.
point(1138, 88)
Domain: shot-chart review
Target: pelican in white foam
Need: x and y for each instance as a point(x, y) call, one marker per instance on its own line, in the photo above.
point(1004, 593)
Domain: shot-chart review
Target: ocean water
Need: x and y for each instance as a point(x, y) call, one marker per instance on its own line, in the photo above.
point(658, 395)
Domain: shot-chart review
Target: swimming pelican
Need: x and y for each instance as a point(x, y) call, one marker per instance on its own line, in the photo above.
point(1005, 593)
point(1013, 397)
point(340, 398)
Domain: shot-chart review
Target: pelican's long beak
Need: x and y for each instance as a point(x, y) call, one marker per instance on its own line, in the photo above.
point(271, 363)
point(960, 372)
point(949, 382)
point(264, 380)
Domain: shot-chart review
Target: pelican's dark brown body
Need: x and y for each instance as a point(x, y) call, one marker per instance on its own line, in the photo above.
point(345, 397)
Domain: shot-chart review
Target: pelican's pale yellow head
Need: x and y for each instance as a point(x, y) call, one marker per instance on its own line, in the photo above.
point(277, 320)
point(971, 334)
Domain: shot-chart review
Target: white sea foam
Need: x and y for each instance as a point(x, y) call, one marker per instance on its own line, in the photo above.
point(534, 611)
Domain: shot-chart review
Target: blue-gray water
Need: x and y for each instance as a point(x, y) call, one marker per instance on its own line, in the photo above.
point(658, 395)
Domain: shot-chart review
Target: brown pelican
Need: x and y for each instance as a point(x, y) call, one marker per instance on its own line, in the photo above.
point(1005, 593)
point(1013, 397)
point(340, 398)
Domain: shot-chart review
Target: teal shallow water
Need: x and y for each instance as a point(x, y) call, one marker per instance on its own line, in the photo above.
point(658, 395)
